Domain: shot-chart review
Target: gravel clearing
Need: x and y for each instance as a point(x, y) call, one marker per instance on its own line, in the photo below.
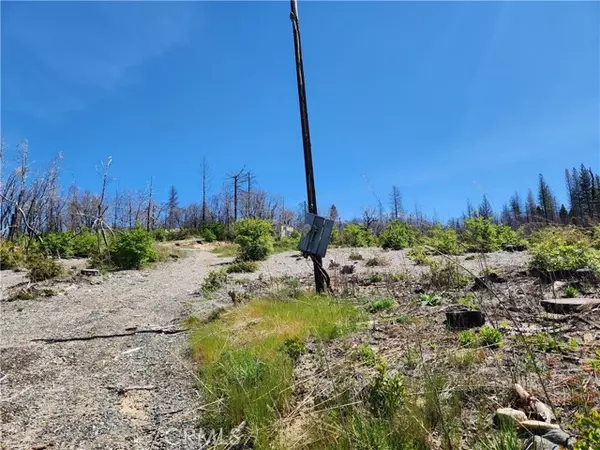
point(137, 391)
point(67, 395)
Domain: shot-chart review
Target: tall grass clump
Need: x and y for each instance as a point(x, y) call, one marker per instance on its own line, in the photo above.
point(246, 372)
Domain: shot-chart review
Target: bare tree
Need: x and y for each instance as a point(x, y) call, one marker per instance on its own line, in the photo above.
point(205, 186)
point(396, 202)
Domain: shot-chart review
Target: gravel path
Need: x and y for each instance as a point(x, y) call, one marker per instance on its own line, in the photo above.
point(66, 395)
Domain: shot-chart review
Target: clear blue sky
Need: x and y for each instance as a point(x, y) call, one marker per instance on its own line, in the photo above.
point(446, 100)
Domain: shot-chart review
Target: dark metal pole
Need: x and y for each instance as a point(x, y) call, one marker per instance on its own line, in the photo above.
point(308, 166)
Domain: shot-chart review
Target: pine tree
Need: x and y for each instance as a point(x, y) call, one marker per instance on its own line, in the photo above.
point(333, 213)
point(530, 207)
point(396, 202)
point(563, 214)
point(485, 208)
point(506, 215)
point(546, 200)
point(516, 209)
point(173, 214)
point(585, 193)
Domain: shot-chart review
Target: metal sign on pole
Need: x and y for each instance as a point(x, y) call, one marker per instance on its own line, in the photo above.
point(308, 166)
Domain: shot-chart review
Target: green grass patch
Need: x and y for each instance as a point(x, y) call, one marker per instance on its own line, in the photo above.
point(226, 250)
point(246, 362)
point(381, 304)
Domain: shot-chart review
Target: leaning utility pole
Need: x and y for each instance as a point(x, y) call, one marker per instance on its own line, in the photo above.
point(308, 166)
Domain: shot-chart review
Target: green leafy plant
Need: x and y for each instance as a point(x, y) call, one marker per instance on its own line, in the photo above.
point(556, 250)
point(254, 236)
point(385, 392)
point(430, 300)
point(490, 337)
point(467, 339)
point(293, 347)
point(398, 235)
point(160, 234)
point(12, 256)
point(570, 292)
point(588, 427)
point(403, 319)
point(365, 354)
point(84, 244)
point(133, 249)
point(242, 267)
point(398, 276)
point(354, 235)
point(58, 245)
point(381, 304)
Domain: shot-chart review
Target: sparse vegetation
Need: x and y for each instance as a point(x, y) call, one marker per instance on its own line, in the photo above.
point(42, 268)
point(419, 255)
point(468, 301)
point(365, 354)
point(446, 274)
point(571, 292)
point(214, 280)
point(430, 300)
point(381, 304)
point(377, 261)
point(375, 278)
point(242, 267)
point(226, 250)
point(355, 256)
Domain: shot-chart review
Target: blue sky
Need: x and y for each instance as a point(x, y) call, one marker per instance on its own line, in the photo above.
point(446, 100)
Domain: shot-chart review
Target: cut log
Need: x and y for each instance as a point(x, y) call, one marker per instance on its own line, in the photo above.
point(569, 305)
point(90, 272)
point(464, 319)
point(538, 427)
point(509, 416)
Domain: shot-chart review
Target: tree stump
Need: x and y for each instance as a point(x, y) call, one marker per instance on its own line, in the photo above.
point(464, 319)
point(569, 305)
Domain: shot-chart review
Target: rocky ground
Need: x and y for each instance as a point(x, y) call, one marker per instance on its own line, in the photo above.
point(137, 391)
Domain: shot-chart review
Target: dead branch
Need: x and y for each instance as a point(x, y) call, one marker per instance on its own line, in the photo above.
point(114, 335)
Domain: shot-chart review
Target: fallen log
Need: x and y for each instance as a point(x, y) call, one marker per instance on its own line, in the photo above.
point(109, 336)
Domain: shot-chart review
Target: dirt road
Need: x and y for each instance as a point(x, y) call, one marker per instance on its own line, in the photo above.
point(68, 395)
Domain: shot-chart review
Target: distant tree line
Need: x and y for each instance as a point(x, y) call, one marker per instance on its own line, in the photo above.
point(33, 203)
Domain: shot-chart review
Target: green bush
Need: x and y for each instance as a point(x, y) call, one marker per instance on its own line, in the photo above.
point(354, 235)
point(467, 339)
point(397, 236)
point(254, 236)
point(208, 235)
point(132, 249)
point(385, 393)
point(481, 235)
point(571, 292)
point(446, 274)
point(554, 251)
point(85, 244)
point(588, 427)
point(42, 268)
point(242, 267)
point(221, 232)
point(11, 256)
point(507, 237)
point(58, 245)
point(160, 234)
point(443, 240)
point(419, 255)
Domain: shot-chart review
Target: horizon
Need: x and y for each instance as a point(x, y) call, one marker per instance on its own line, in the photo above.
point(485, 96)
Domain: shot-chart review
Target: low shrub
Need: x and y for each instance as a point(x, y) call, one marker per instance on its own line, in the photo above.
point(398, 235)
point(42, 268)
point(385, 392)
point(293, 347)
point(443, 240)
point(11, 256)
point(556, 250)
point(377, 261)
point(446, 274)
point(242, 267)
point(132, 249)
point(354, 235)
point(490, 337)
point(254, 236)
point(509, 238)
point(208, 235)
point(214, 280)
point(481, 235)
point(355, 256)
point(419, 255)
point(160, 234)
point(588, 427)
point(430, 300)
point(381, 304)
point(85, 243)
point(58, 245)
point(365, 354)
point(375, 278)
point(467, 339)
